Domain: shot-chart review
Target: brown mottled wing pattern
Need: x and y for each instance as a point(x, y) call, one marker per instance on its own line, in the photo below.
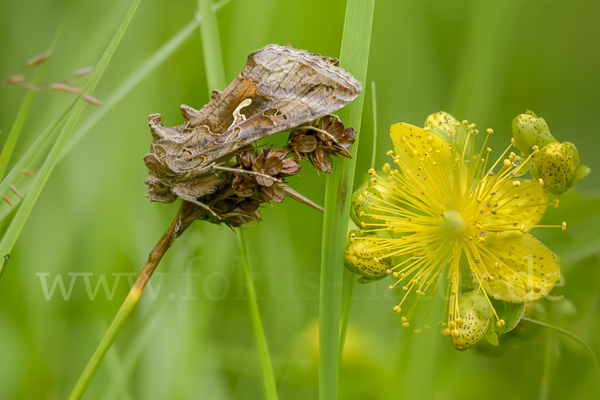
point(286, 87)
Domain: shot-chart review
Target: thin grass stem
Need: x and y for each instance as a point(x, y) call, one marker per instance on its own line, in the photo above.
point(576, 338)
point(22, 214)
point(186, 214)
point(259, 334)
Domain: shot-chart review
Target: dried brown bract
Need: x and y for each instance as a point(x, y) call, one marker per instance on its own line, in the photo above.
point(319, 140)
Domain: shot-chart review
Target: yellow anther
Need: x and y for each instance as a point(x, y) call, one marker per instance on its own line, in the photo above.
point(363, 224)
point(386, 168)
point(512, 141)
point(404, 319)
point(417, 331)
point(465, 122)
point(373, 181)
point(430, 138)
point(403, 139)
point(446, 331)
point(489, 130)
point(537, 288)
point(516, 183)
point(397, 309)
point(499, 324)
point(516, 196)
point(472, 126)
point(535, 148)
point(391, 287)
point(395, 274)
point(564, 226)
point(371, 171)
point(456, 124)
point(406, 324)
point(489, 149)
point(555, 203)
point(389, 152)
point(362, 214)
point(523, 229)
point(507, 163)
point(541, 182)
point(458, 321)
point(455, 333)
point(426, 129)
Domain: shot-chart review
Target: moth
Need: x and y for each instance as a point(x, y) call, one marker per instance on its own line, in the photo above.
point(279, 88)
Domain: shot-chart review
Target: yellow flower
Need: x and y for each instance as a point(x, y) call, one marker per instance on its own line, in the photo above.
point(451, 216)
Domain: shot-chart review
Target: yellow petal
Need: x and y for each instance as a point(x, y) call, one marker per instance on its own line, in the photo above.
point(527, 210)
point(527, 272)
point(409, 139)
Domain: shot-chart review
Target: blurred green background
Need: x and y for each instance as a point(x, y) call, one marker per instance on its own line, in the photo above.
point(482, 61)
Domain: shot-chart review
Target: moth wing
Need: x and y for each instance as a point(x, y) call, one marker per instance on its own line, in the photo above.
point(278, 89)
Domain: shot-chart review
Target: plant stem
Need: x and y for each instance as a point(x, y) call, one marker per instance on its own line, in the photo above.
point(259, 333)
point(186, 214)
point(572, 336)
point(354, 56)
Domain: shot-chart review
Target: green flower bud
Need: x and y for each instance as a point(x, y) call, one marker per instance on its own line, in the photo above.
point(443, 125)
point(557, 164)
point(529, 131)
point(362, 207)
point(475, 317)
point(362, 260)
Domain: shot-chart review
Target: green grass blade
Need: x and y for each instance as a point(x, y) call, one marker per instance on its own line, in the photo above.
point(17, 127)
point(12, 178)
point(211, 46)
point(259, 333)
point(18, 222)
point(354, 56)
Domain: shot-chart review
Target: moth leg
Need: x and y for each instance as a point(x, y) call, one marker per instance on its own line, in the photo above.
point(195, 201)
point(335, 117)
point(301, 198)
point(244, 171)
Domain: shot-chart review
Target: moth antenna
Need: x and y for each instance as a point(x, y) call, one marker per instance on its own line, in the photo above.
point(244, 171)
point(301, 198)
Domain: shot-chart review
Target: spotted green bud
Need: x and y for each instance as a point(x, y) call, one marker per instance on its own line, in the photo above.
point(475, 315)
point(362, 207)
point(443, 125)
point(529, 131)
point(558, 166)
point(362, 257)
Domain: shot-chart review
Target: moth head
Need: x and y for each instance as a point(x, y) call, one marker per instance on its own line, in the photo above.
point(159, 191)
